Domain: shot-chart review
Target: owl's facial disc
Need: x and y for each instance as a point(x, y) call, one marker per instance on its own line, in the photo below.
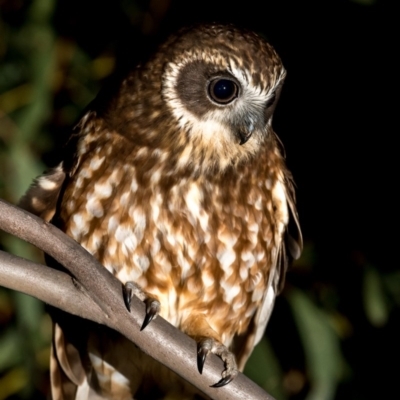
point(206, 92)
point(221, 103)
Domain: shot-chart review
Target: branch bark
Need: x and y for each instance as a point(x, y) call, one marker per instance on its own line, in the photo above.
point(93, 293)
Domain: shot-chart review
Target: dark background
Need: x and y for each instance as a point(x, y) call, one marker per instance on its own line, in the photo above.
point(333, 334)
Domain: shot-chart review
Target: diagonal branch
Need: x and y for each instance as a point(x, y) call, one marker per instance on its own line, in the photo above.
point(95, 294)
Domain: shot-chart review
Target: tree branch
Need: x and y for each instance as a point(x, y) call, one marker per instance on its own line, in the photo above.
point(95, 294)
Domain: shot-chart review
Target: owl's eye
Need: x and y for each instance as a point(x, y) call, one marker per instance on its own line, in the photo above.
point(223, 90)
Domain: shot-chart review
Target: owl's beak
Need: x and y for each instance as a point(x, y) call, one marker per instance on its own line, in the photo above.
point(247, 129)
point(244, 136)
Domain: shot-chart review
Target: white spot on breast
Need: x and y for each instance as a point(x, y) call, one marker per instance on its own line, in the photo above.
point(47, 184)
point(79, 182)
point(193, 199)
point(112, 224)
point(129, 245)
point(81, 225)
point(257, 294)
point(142, 262)
point(134, 185)
point(71, 205)
point(250, 310)
point(131, 274)
point(124, 199)
point(282, 213)
point(226, 258)
point(162, 263)
point(248, 259)
point(230, 292)
point(239, 303)
point(155, 246)
point(260, 255)
point(139, 222)
point(86, 173)
point(183, 263)
point(95, 163)
point(122, 233)
point(253, 228)
point(155, 204)
point(103, 190)
point(93, 243)
point(94, 207)
point(243, 273)
point(258, 203)
point(207, 278)
point(155, 177)
point(112, 248)
point(254, 281)
point(227, 238)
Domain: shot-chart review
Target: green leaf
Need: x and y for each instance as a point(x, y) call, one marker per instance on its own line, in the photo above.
point(375, 304)
point(10, 355)
point(321, 346)
point(264, 369)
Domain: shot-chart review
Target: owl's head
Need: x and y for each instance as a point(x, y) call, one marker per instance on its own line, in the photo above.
point(221, 86)
point(212, 91)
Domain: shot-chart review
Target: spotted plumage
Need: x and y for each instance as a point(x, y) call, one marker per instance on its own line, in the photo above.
point(177, 183)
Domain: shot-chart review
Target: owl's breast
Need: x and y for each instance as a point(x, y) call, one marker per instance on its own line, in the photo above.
point(200, 247)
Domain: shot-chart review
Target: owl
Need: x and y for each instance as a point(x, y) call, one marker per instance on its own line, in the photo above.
point(177, 184)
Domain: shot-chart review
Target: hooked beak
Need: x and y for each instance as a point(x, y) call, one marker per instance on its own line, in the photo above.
point(258, 119)
point(244, 137)
point(246, 130)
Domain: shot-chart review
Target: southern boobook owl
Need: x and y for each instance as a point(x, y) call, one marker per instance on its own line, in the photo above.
point(177, 185)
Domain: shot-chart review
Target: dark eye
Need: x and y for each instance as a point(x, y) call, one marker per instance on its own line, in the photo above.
point(223, 91)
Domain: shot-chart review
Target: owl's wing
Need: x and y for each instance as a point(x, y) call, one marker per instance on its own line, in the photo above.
point(290, 249)
point(42, 196)
point(68, 376)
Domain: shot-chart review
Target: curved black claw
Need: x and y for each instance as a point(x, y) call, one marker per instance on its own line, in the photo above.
point(152, 309)
point(127, 294)
point(223, 381)
point(201, 358)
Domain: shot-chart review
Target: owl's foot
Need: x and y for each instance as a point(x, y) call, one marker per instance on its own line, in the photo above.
point(210, 345)
point(152, 304)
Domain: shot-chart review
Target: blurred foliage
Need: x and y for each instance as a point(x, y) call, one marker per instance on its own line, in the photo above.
point(321, 341)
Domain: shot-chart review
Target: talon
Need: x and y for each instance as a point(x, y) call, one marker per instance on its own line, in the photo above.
point(201, 358)
point(223, 381)
point(127, 294)
point(207, 345)
point(153, 306)
point(152, 309)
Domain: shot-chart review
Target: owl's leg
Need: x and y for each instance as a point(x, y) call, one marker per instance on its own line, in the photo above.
point(153, 306)
point(208, 341)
